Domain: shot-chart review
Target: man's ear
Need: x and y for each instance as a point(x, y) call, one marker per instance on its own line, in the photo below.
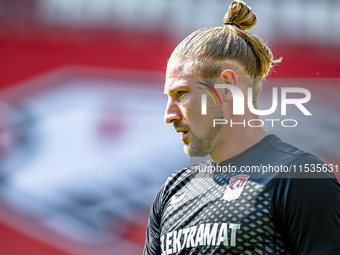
point(229, 76)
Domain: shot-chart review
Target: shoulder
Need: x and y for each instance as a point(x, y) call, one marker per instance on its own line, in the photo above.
point(277, 153)
point(280, 146)
point(180, 178)
point(284, 152)
point(174, 183)
point(306, 206)
point(297, 164)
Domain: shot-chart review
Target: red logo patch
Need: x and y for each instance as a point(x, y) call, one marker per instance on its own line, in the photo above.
point(235, 187)
point(238, 181)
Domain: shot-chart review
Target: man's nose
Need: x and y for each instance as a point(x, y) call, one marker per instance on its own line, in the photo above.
point(172, 112)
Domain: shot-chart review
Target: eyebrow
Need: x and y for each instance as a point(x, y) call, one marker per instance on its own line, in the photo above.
point(176, 87)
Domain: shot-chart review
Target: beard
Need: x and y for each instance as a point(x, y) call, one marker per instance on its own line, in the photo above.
point(203, 146)
point(200, 147)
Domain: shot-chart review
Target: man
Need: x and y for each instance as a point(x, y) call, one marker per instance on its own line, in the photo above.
point(215, 207)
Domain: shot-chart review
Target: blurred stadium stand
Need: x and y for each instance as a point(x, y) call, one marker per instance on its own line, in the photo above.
point(83, 147)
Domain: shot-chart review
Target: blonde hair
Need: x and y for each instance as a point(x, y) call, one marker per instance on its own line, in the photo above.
point(208, 49)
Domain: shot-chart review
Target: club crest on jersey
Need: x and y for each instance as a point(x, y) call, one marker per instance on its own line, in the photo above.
point(235, 187)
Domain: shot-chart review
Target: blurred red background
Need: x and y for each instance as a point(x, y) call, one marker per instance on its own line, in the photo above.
point(29, 49)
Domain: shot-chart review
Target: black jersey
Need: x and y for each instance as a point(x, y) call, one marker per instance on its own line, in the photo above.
point(266, 200)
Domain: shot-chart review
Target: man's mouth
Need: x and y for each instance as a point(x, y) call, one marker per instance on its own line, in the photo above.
point(184, 132)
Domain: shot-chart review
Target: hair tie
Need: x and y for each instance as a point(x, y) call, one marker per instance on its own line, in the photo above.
point(232, 24)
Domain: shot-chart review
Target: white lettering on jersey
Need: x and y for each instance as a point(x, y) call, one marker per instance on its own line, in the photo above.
point(168, 243)
point(190, 240)
point(223, 235)
point(176, 241)
point(210, 238)
point(199, 236)
point(233, 228)
point(185, 232)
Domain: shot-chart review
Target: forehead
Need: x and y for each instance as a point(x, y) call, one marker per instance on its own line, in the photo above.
point(175, 69)
point(177, 74)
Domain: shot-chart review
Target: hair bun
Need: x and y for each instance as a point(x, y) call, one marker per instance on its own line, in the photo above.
point(241, 14)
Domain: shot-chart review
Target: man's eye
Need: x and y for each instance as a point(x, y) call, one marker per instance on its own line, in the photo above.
point(181, 93)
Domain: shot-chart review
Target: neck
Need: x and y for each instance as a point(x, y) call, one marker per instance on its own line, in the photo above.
point(234, 140)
